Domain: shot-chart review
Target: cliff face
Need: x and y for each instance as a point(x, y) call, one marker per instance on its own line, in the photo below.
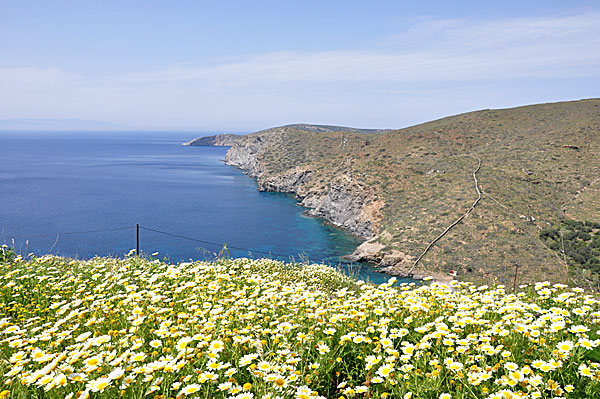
point(290, 182)
point(342, 202)
point(244, 155)
point(344, 205)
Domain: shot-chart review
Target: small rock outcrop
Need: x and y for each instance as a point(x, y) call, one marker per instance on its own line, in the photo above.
point(368, 251)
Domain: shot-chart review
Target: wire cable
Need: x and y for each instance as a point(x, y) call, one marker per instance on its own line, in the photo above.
point(250, 250)
point(214, 243)
point(77, 232)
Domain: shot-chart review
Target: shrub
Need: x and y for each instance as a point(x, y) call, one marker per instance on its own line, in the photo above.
point(584, 236)
point(549, 233)
point(7, 254)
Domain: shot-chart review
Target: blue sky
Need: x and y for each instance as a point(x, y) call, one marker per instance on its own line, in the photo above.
point(248, 65)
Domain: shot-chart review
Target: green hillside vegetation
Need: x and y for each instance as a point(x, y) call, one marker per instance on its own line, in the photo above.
point(577, 241)
point(540, 167)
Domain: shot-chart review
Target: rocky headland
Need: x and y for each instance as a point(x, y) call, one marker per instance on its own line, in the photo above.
point(414, 198)
point(346, 203)
point(220, 140)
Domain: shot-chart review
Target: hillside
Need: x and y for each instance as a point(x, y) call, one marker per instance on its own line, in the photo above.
point(400, 189)
point(228, 139)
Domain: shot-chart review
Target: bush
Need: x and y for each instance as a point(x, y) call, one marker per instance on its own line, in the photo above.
point(572, 224)
point(584, 236)
point(549, 233)
point(554, 245)
point(593, 225)
point(570, 235)
point(7, 254)
point(577, 258)
point(593, 262)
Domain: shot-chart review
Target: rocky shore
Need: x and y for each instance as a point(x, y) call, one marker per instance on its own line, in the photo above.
point(343, 203)
point(417, 200)
point(346, 202)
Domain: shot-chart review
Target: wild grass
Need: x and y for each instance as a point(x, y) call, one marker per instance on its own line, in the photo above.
point(110, 328)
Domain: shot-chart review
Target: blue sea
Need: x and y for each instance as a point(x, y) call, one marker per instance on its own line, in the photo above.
point(81, 194)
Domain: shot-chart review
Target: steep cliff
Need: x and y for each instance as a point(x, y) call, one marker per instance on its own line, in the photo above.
point(342, 202)
point(244, 155)
point(289, 182)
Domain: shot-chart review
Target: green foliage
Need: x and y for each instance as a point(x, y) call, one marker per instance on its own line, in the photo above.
point(579, 240)
point(7, 254)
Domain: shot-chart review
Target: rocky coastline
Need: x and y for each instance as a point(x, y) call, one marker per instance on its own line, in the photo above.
point(342, 203)
point(345, 203)
point(418, 202)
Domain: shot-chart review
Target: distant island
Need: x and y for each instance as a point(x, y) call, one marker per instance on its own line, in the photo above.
point(507, 196)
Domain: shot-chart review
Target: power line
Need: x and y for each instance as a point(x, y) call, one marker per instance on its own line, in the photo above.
point(213, 243)
point(76, 232)
point(221, 245)
point(100, 231)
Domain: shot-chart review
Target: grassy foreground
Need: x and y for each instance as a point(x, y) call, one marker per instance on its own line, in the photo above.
point(264, 329)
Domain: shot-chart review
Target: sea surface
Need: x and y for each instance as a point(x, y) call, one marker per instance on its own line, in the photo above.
point(81, 194)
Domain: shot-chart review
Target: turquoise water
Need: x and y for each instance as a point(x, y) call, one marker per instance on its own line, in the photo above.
point(59, 192)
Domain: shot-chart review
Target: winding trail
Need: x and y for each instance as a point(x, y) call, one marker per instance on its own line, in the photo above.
point(456, 222)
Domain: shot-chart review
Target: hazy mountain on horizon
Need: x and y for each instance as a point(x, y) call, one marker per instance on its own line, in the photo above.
point(57, 124)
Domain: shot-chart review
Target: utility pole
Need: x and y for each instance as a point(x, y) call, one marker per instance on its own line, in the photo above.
point(515, 280)
point(137, 239)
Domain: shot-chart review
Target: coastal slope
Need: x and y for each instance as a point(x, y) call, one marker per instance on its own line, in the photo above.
point(505, 175)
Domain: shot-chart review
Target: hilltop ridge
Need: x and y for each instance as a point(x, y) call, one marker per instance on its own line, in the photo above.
point(400, 189)
point(228, 139)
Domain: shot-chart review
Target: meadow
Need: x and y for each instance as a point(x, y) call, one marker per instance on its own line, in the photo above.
point(242, 328)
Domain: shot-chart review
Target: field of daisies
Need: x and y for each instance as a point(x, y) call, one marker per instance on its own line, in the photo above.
point(241, 329)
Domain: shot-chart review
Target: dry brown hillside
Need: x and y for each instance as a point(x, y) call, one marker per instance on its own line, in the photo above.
point(539, 165)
